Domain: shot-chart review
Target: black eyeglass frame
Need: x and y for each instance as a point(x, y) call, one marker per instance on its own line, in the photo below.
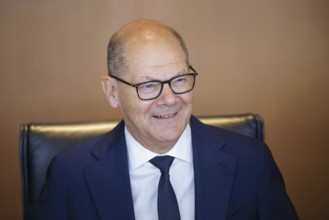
point(136, 85)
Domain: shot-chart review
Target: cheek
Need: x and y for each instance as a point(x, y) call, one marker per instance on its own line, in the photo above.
point(187, 99)
point(132, 107)
point(188, 105)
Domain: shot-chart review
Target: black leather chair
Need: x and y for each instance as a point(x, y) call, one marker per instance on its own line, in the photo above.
point(40, 142)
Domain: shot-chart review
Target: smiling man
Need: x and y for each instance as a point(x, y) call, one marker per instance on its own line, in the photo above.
point(156, 115)
point(124, 174)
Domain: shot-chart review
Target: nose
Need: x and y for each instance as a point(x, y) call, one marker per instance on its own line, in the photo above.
point(167, 96)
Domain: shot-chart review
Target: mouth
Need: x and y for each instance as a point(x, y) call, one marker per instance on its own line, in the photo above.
point(166, 116)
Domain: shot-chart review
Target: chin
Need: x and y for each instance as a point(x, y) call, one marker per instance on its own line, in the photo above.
point(170, 134)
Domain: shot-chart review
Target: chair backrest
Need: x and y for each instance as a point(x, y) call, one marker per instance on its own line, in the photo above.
point(40, 142)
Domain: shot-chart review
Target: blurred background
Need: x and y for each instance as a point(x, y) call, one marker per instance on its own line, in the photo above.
point(267, 57)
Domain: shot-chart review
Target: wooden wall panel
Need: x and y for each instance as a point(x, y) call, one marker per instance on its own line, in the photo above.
point(268, 57)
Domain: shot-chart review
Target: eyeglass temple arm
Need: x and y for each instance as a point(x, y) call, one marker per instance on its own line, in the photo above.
point(190, 66)
point(121, 80)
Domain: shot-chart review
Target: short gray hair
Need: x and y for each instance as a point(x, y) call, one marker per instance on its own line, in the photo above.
point(116, 55)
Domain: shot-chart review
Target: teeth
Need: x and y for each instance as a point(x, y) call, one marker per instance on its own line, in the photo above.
point(165, 116)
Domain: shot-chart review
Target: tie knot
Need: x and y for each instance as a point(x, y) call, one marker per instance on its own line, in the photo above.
point(162, 162)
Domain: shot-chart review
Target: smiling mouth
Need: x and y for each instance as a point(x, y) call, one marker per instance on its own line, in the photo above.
point(168, 116)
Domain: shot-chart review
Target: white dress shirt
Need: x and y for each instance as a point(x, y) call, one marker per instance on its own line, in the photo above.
point(144, 177)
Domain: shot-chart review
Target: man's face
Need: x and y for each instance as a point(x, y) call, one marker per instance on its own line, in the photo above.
point(156, 124)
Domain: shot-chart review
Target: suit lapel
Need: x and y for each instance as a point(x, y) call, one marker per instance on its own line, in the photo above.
point(108, 177)
point(109, 182)
point(213, 172)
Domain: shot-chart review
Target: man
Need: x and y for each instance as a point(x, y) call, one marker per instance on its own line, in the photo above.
point(214, 174)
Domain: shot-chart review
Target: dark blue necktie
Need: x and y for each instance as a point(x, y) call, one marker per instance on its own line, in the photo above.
point(167, 202)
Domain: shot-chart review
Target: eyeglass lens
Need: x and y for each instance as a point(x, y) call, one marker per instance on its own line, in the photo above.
point(180, 84)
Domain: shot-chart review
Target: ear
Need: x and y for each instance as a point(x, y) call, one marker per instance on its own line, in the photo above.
point(110, 90)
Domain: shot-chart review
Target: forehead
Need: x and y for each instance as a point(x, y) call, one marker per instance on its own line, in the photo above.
point(154, 52)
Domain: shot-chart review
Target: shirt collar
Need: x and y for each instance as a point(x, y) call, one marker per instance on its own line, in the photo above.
point(139, 155)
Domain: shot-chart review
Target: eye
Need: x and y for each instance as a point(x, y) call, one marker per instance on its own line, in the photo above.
point(149, 87)
point(179, 81)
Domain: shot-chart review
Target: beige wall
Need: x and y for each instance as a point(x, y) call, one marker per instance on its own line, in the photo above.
point(269, 57)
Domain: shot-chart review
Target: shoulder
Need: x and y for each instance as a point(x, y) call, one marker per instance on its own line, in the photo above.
point(217, 139)
point(212, 133)
point(89, 151)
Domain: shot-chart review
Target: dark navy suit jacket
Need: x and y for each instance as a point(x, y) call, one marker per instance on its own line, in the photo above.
point(236, 178)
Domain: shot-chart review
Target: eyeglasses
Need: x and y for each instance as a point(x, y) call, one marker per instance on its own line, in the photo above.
point(152, 89)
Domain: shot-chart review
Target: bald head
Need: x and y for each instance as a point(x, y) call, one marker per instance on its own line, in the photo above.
point(139, 32)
